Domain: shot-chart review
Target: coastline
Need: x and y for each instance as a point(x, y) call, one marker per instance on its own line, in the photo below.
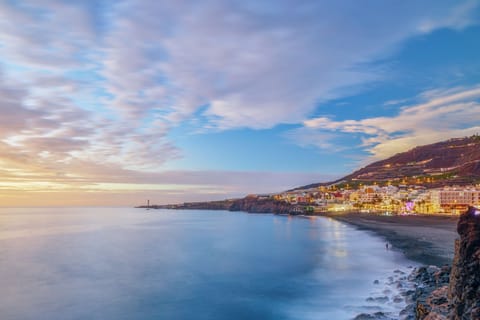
point(435, 288)
point(428, 240)
point(425, 239)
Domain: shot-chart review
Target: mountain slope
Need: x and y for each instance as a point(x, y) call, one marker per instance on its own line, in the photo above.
point(455, 161)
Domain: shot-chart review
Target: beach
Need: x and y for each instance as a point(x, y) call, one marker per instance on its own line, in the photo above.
point(428, 240)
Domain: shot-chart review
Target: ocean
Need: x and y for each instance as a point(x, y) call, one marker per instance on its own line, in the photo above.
point(126, 263)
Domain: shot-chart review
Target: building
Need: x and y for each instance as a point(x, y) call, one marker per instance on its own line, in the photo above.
point(454, 199)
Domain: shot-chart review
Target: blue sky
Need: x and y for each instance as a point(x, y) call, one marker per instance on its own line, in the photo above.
point(111, 102)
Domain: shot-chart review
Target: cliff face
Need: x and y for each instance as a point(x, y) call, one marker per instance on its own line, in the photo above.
point(254, 205)
point(456, 297)
point(247, 204)
point(464, 287)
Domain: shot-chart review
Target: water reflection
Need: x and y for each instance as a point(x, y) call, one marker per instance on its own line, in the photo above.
point(131, 264)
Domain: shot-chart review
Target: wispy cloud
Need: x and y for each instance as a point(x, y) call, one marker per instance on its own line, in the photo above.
point(255, 65)
point(441, 114)
point(395, 102)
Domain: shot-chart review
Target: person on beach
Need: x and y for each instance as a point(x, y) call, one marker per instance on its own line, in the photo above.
point(386, 245)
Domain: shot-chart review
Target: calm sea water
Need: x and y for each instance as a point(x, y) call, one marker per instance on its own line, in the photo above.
point(121, 263)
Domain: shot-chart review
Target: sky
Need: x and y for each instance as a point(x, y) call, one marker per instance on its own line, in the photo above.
point(116, 102)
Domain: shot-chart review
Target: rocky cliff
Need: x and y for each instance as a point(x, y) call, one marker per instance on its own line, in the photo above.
point(464, 287)
point(460, 298)
point(254, 205)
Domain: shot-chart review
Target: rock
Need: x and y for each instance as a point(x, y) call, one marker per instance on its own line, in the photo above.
point(257, 205)
point(438, 303)
point(408, 311)
point(374, 316)
point(421, 311)
point(435, 316)
point(431, 292)
point(460, 298)
point(376, 282)
point(442, 276)
point(430, 276)
point(464, 288)
point(381, 299)
point(377, 299)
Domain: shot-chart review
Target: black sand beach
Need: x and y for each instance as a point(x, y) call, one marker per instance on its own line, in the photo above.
point(426, 239)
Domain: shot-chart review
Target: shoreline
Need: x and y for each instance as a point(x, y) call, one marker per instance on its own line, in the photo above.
point(425, 239)
point(428, 240)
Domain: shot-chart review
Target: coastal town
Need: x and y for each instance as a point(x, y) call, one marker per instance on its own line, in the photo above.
point(373, 198)
point(437, 179)
point(386, 199)
point(441, 178)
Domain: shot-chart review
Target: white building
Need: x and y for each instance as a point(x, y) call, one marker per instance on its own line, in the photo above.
point(455, 197)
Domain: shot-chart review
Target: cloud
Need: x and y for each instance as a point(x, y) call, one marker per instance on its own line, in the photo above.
point(306, 137)
point(238, 63)
point(395, 102)
point(53, 97)
point(80, 183)
point(441, 114)
point(91, 90)
point(46, 34)
point(256, 65)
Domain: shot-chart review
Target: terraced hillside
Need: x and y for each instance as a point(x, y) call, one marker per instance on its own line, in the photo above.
point(455, 161)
